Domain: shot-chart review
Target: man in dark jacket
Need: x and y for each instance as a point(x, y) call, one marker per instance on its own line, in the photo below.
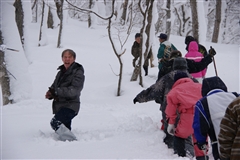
point(136, 52)
point(65, 92)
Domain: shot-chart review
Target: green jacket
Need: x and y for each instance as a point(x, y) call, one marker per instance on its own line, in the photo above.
point(161, 51)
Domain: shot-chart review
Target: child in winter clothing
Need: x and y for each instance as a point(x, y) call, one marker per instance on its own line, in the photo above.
point(180, 103)
point(229, 136)
point(201, 48)
point(209, 112)
point(197, 57)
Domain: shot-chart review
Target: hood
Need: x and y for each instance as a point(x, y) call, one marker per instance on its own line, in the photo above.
point(193, 46)
point(212, 83)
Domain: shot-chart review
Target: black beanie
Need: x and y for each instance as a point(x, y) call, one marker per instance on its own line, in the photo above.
point(178, 75)
point(189, 39)
point(180, 63)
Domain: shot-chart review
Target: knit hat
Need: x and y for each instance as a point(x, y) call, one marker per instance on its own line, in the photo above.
point(178, 75)
point(189, 39)
point(137, 35)
point(162, 36)
point(180, 63)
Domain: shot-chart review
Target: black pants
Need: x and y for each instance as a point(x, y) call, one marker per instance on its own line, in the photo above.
point(65, 116)
point(179, 146)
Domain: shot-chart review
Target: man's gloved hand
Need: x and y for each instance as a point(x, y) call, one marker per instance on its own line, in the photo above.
point(212, 52)
point(52, 91)
point(3, 47)
point(135, 100)
point(171, 129)
point(202, 145)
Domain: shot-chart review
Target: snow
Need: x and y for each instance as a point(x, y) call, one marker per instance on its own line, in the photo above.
point(107, 127)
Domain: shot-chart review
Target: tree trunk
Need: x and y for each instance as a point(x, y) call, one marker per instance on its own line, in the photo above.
point(168, 23)
point(4, 79)
point(195, 25)
point(50, 18)
point(41, 26)
point(19, 15)
point(34, 11)
point(217, 21)
point(89, 14)
point(124, 13)
point(61, 24)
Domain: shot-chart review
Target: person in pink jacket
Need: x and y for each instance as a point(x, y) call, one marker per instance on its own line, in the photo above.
point(197, 56)
point(181, 101)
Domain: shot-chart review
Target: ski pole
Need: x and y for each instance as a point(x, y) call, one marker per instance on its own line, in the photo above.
point(12, 49)
point(214, 63)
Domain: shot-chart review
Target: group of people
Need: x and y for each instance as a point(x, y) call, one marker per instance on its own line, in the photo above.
point(194, 107)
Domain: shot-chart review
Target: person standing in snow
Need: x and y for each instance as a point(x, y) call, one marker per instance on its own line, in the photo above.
point(196, 56)
point(209, 112)
point(201, 48)
point(162, 56)
point(181, 101)
point(136, 52)
point(229, 136)
point(65, 92)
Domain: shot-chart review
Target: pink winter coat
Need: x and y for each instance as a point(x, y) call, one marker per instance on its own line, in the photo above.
point(182, 99)
point(196, 56)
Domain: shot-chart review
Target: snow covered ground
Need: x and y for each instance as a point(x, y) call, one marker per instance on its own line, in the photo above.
point(107, 127)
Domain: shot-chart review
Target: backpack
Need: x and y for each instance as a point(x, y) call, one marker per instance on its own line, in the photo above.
point(167, 52)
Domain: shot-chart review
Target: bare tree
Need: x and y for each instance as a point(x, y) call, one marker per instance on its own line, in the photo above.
point(34, 10)
point(195, 25)
point(19, 15)
point(168, 23)
point(110, 20)
point(217, 21)
point(59, 5)
point(4, 79)
point(124, 13)
point(41, 25)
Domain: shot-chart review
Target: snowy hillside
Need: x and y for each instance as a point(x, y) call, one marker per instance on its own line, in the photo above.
point(107, 127)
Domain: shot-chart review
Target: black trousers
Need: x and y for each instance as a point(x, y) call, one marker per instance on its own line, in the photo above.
point(63, 116)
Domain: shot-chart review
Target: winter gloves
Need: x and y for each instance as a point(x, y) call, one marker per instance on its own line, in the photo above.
point(135, 100)
point(212, 52)
point(202, 145)
point(51, 94)
point(171, 129)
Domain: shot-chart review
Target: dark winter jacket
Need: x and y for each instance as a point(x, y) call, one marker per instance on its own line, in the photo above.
point(158, 92)
point(229, 136)
point(193, 66)
point(209, 111)
point(135, 50)
point(68, 85)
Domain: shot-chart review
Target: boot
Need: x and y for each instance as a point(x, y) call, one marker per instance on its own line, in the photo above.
point(65, 134)
point(146, 70)
point(168, 140)
point(179, 146)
